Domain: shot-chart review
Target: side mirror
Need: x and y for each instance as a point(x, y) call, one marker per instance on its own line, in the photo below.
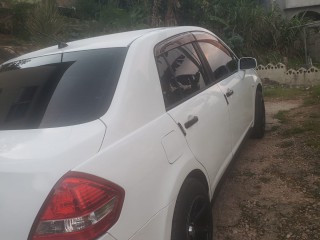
point(247, 63)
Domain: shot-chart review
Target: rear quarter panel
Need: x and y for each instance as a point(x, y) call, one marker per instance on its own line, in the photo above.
point(139, 164)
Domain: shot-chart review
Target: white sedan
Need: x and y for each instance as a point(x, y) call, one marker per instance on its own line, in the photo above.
point(123, 136)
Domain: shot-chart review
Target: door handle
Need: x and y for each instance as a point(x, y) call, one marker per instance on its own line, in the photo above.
point(192, 121)
point(229, 92)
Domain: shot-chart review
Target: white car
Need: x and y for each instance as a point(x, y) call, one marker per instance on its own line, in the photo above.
point(123, 136)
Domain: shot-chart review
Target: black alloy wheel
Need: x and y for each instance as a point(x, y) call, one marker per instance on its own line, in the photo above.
point(192, 218)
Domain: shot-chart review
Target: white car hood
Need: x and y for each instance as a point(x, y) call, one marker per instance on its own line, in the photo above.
point(32, 161)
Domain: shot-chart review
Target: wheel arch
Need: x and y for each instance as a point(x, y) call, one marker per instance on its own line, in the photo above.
point(200, 176)
point(194, 184)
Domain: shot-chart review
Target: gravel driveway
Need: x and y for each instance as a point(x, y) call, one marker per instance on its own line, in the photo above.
point(272, 191)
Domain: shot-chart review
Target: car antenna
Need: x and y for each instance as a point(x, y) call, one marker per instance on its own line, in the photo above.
point(61, 44)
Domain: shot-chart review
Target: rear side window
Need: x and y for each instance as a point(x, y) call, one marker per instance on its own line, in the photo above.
point(221, 60)
point(180, 74)
point(59, 90)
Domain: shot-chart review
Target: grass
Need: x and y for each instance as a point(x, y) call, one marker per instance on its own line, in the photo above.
point(313, 97)
point(273, 128)
point(283, 92)
point(248, 173)
point(293, 131)
point(282, 116)
point(285, 144)
point(265, 179)
point(315, 91)
point(312, 125)
point(316, 192)
point(314, 142)
point(314, 115)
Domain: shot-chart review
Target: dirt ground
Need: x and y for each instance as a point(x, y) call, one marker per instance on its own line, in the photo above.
point(272, 190)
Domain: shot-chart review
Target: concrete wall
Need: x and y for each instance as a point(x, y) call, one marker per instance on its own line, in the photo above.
point(314, 44)
point(292, 77)
point(291, 12)
point(299, 3)
point(290, 8)
point(280, 3)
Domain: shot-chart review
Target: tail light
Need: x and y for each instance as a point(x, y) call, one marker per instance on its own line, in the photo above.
point(79, 207)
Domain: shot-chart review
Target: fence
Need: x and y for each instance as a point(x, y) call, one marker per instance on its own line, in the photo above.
point(282, 75)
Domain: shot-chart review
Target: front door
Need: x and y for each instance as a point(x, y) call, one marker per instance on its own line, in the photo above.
point(198, 107)
point(236, 89)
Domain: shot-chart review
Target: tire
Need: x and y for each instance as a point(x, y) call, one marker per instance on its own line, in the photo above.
point(259, 126)
point(192, 219)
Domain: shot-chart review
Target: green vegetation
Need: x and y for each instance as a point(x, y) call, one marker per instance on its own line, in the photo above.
point(248, 173)
point(314, 115)
point(265, 179)
point(274, 128)
point(283, 92)
point(245, 25)
point(314, 143)
point(21, 13)
point(293, 131)
point(309, 127)
point(44, 20)
point(285, 144)
point(313, 126)
point(313, 97)
point(282, 116)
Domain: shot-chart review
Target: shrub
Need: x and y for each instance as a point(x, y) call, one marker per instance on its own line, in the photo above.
point(45, 23)
point(21, 12)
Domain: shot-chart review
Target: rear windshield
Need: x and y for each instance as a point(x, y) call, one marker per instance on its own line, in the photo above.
point(58, 90)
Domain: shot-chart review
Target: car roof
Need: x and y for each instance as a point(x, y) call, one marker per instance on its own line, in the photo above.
point(123, 39)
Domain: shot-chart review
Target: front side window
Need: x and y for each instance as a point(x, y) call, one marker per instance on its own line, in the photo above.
point(180, 74)
point(221, 61)
point(58, 90)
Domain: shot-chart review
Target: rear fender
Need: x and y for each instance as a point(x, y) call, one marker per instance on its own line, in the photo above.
point(139, 164)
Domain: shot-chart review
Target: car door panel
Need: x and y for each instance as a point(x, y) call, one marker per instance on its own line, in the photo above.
point(223, 67)
point(240, 105)
point(197, 106)
point(210, 137)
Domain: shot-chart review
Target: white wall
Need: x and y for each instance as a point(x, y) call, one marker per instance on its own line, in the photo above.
point(292, 77)
point(301, 3)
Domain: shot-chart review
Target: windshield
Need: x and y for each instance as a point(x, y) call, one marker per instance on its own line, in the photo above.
point(58, 90)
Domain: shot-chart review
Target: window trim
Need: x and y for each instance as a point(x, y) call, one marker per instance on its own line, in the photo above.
point(175, 45)
point(191, 38)
point(173, 42)
point(207, 36)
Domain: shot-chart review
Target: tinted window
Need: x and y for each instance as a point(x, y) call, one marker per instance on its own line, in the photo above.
point(58, 90)
point(180, 74)
point(221, 61)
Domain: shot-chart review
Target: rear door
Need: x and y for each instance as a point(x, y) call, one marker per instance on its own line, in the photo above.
point(196, 105)
point(237, 89)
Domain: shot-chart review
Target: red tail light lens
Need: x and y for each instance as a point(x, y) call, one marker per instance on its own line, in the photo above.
point(79, 207)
